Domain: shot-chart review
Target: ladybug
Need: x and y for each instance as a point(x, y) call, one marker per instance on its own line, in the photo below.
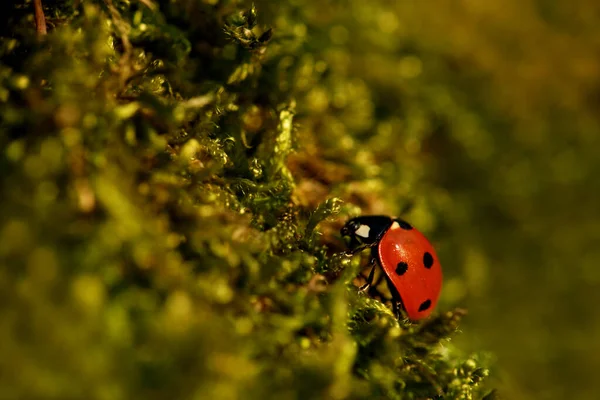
point(409, 262)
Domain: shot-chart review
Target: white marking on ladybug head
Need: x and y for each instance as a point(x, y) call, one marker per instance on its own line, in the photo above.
point(363, 231)
point(395, 225)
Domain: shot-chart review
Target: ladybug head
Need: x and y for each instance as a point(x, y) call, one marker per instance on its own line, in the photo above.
point(366, 230)
point(350, 228)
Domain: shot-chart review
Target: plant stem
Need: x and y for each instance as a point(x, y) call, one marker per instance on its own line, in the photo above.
point(40, 19)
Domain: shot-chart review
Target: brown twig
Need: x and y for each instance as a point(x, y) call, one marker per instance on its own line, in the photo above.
point(40, 19)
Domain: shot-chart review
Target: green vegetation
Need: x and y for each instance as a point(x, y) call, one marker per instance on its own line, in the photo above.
point(174, 175)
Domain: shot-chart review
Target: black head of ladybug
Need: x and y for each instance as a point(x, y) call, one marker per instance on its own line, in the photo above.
point(366, 231)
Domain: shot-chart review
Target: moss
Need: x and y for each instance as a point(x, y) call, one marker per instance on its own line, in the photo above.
point(172, 179)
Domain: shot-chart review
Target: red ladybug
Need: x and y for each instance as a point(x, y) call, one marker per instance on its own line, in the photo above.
point(409, 262)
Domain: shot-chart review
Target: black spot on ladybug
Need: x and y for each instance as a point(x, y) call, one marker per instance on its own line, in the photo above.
point(427, 260)
point(401, 268)
point(404, 225)
point(425, 305)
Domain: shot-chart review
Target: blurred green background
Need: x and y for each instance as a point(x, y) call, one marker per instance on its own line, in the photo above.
point(476, 120)
point(507, 96)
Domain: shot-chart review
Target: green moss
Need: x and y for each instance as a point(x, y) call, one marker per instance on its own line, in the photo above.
point(172, 176)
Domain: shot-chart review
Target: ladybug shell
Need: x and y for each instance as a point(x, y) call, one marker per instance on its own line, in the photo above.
point(411, 264)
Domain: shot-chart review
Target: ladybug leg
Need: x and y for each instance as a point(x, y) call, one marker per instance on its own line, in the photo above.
point(375, 284)
point(369, 282)
point(396, 300)
point(395, 309)
point(358, 249)
point(379, 279)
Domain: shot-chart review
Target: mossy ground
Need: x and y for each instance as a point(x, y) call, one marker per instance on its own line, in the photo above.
point(175, 173)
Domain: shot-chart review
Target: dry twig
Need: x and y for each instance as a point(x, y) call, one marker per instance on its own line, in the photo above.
point(40, 19)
